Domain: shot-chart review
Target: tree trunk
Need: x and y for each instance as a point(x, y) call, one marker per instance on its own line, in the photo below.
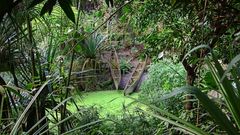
point(191, 76)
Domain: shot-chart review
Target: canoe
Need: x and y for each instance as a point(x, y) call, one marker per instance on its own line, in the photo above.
point(135, 77)
point(114, 66)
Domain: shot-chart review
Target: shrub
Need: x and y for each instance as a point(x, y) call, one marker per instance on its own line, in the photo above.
point(85, 116)
point(131, 123)
point(163, 76)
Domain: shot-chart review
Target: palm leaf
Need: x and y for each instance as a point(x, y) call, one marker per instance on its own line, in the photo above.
point(168, 117)
point(19, 121)
point(220, 118)
point(226, 88)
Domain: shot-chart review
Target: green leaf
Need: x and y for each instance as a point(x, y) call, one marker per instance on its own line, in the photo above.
point(196, 48)
point(213, 110)
point(109, 3)
point(175, 92)
point(20, 119)
point(209, 105)
point(48, 6)
point(82, 126)
point(188, 128)
point(2, 91)
point(226, 88)
point(15, 90)
point(170, 118)
point(29, 86)
point(209, 80)
point(99, 13)
point(234, 61)
point(173, 2)
point(78, 48)
point(34, 3)
point(66, 6)
point(48, 113)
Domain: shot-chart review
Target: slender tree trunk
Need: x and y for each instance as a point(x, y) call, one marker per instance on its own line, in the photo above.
point(191, 77)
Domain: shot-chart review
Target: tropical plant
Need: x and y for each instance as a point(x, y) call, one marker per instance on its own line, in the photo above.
point(163, 76)
point(92, 46)
point(39, 53)
point(222, 109)
point(140, 124)
point(125, 65)
point(31, 69)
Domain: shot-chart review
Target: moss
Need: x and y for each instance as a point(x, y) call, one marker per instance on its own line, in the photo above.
point(109, 102)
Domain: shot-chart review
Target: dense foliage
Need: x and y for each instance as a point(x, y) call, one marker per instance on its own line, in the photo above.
point(163, 77)
point(81, 45)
